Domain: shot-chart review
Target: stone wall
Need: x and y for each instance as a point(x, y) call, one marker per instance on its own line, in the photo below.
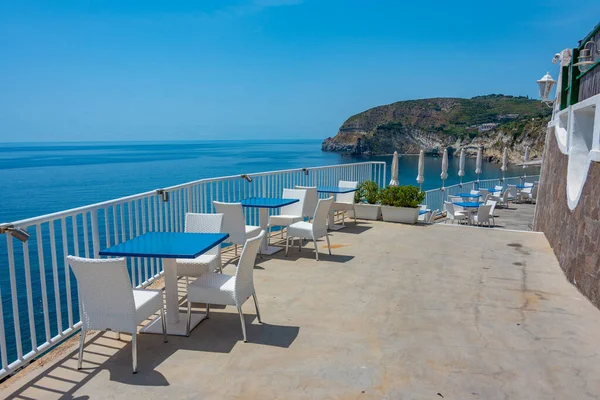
point(573, 235)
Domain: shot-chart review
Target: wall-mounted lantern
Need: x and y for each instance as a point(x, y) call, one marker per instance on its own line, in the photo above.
point(16, 232)
point(545, 85)
point(163, 194)
point(246, 177)
point(586, 56)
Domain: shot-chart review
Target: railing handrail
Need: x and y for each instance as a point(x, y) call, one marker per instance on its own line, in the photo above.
point(78, 210)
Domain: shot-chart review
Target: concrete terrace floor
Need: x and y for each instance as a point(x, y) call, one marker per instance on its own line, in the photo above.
point(398, 312)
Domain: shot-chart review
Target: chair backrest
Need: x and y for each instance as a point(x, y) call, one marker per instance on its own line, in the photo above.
point(433, 215)
point(512, 190)
point(234, 222)
point(454, 199)
point(527, 190)
point(423, 206)
point(505, 195)
point(346, 197)
point(498, 188)
point(449, 208)
point(483, 192)
point(105, 292)
point(474, 191)
point(310, 200)
point(485, 198)
point(244, 274)
point(483, 213)
point(528, 184)
point(491, 203)
point(295, 208)
point(319, 224)
point(205, 223)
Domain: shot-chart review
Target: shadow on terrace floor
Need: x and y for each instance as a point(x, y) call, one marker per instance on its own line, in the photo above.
point(104, 353)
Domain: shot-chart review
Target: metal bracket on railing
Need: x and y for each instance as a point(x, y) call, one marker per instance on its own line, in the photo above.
point(246, 177)
point(16, 232)
point(164, 194)
point(305, 170)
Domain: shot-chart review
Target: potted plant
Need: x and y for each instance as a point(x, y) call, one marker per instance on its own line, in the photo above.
point(401, 203)
point(366, 198)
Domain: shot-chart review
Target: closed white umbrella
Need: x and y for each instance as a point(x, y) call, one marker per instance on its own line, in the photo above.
point(525, 159)
point(504, 162)
point(478, 163)
point(461, 165)
point(394, 181)
point(444, 174)
point(421, 170)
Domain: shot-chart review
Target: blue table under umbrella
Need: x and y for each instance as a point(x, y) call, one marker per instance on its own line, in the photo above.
point(169, 246)
point(334, 190)
point(470, 206)
point(467, 195)
point(264, 204)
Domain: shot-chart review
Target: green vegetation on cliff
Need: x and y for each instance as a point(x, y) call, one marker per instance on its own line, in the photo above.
point(408, 126)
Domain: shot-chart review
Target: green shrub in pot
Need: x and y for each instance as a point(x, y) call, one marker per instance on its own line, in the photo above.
point(366, 198)
point(401, 203)
point(368, 192)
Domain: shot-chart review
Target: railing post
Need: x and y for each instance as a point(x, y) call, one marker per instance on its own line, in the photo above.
point(95, 233)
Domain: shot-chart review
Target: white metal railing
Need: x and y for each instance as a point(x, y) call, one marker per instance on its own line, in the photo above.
point(435, 198)
point(39, 305)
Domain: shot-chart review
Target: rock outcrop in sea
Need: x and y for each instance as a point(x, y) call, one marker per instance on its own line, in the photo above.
point(492, 121)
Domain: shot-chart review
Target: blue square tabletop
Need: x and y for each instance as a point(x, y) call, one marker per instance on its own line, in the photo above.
point(523, 186)
point(466, 195)
point(167, 245)
point(267, 202)
point(335, 189)
point(468, 204)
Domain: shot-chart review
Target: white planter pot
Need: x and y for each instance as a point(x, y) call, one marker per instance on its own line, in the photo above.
point(400, 214)
point(368, 211)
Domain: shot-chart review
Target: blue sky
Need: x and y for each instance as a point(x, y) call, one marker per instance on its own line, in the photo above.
point(260, 69)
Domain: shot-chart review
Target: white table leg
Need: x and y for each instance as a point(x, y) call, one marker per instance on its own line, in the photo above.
point(171, 292)
point(264, 222)
point(176, 321)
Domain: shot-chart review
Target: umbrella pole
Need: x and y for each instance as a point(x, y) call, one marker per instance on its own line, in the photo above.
point(443, 191)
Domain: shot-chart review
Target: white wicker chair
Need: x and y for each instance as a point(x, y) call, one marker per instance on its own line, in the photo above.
point(234, 223)
point(310, 200)
point(345, 201)
point(485, 193)
point(229, 290)
point(483, 215)
point(456, 199)
point(314, 230)
point(534, 193)
point(434, 215)
point(109, 303)
point(291, 213)
point(503, 198)
point(454, 215)
point(512, 192)
point(493, 204)
point(209, 261)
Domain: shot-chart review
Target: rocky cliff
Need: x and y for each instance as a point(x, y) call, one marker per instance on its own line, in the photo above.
point(492, 121)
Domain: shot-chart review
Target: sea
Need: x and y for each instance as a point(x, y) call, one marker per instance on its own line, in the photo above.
point(41, 178)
